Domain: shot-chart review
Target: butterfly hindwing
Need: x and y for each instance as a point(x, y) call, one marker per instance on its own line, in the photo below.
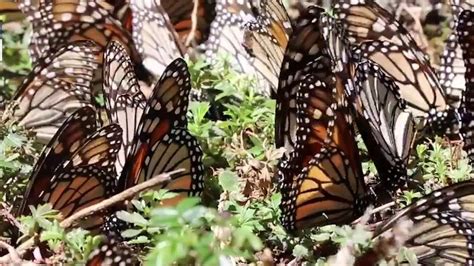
point(57, 86)
point(69, 138)
point(124, 100)
point(162, 142)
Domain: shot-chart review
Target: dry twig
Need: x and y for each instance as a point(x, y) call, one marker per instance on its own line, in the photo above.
point(194, 19)
point(374, 211)
point(14, 256)
point(6, 212)
point(127, 194)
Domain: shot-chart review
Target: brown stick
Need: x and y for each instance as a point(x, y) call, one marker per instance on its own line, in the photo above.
point(14, 256)
point(376, 210)
point(126, 194)
point(6, 212)
point(194, 19)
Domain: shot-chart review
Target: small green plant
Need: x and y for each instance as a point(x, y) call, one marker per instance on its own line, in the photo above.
point(18, 153)
point(439, 165)
point(186, 234)
point(368, 167)
point(74, 245)
point(409, 196)
point(234, 95)
point(243, 141)
point(16, 61)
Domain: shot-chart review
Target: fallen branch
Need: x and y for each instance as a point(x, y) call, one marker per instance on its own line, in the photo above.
point(20, 250)
point(126, 194)
point(6, 212)
point(374, 211)
point(194, 19)
point(14, 256)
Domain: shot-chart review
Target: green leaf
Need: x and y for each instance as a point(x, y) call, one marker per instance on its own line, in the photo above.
point(300, 251)
point(139, 205)
point(133, 218)
point(139, 240)
point(14, 140)
point(199, 111)
point(229, 181)
point(130, 233)
point(194, 215)
point(408, 255)
point(53, 232)
point(164, 216)
point(321, 237)
point(187, 204)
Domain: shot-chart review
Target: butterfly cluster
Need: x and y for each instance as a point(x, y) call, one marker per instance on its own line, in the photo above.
point(359, 70)
point(354, 70)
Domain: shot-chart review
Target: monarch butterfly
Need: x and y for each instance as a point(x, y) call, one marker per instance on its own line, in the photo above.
point(155, 37)
point(112, 253)
point(465, 32)
point(389, 45)
point(121, 10)
point(162, 142)
point(442, 231)
point(395, 60)
point(457, 6)
point(56, 23)
point(180, 14)
point(57, 86)
point(305, 52)
point(322, 181)
point(266, 40)
point(386, 128)
point(123, 98)
point(76, 168)
point(365, 20)
point(227, 34)
point(343, 63)
point(452, 70)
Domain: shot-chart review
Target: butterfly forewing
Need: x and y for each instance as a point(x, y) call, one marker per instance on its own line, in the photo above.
point(154, 36)
point(69, 138)
point(465, 31)
point(84, 176)
point(322, 182)
point(100, 149)
point(119, 75)
point(162, 142)
point(124, 101)
point(305, 53)
point(365, 25)
point(58, 22)
point(57, 86)
point(365, 20)
point(387, 129)
point(266, 40)
point(442, 226)
point(418, 86)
